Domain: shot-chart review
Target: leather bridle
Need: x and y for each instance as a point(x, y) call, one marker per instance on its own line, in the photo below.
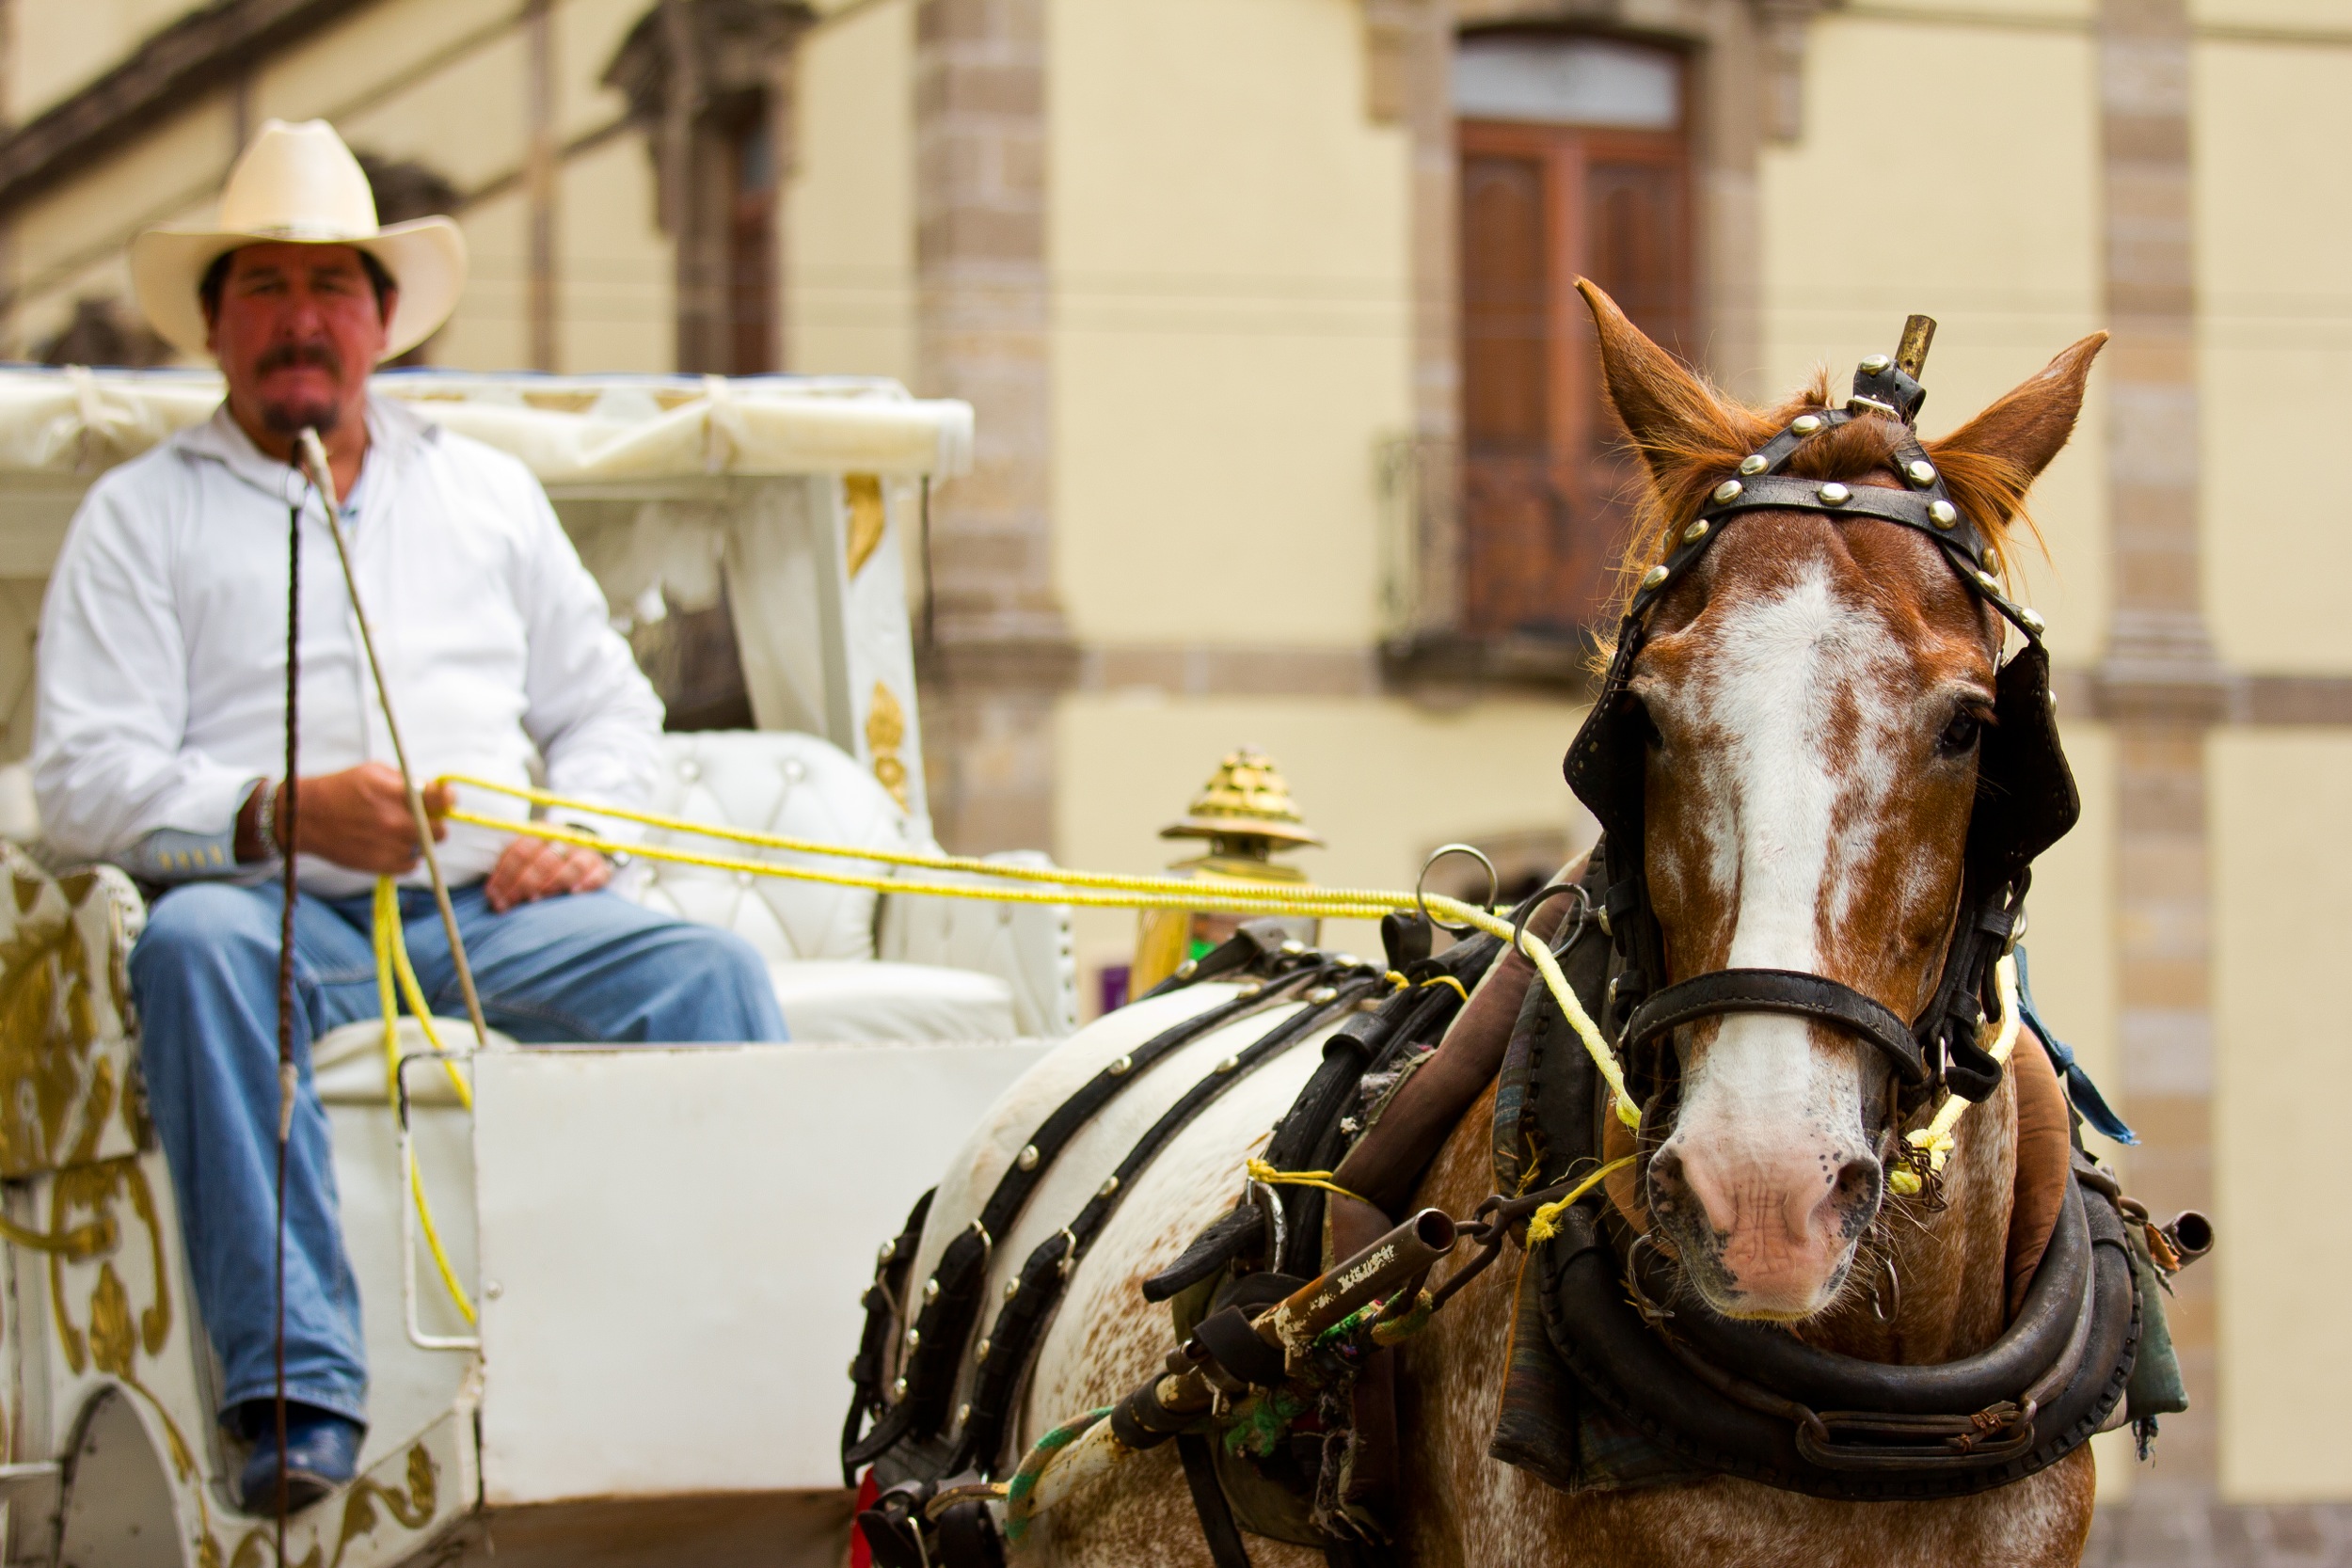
point(2026, 798)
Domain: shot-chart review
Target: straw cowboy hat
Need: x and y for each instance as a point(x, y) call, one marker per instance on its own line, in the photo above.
point(299, 182)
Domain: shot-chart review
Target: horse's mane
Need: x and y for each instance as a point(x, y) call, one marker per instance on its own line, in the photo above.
point(1715, 431)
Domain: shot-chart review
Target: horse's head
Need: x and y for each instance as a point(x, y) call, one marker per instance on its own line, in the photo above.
point(1815, 689)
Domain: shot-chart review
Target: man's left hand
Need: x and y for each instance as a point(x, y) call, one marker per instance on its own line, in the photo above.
point(534, 868)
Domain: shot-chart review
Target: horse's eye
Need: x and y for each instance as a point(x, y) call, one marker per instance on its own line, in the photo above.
point(1959, 735)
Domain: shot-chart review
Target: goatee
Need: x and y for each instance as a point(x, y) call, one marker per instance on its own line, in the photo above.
point(291, 419)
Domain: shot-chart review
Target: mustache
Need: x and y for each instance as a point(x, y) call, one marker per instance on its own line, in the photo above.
point(288, 356)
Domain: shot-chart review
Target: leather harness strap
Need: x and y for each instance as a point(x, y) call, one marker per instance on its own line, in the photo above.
point(1779, 991)
point(1208, 1499)
point(1037, 1290)
point(936, 1339)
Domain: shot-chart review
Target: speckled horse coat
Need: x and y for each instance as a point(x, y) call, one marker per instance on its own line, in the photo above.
point(1816, 692)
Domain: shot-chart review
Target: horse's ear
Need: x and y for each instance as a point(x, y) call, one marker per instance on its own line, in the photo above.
point(1669, 412)
point(2026, 428)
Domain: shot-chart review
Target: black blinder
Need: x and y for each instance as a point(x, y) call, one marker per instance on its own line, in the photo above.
point(2026, 795)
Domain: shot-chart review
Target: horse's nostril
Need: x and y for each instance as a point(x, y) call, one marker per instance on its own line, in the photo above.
point(1667, 1187)
point(1860, 1182)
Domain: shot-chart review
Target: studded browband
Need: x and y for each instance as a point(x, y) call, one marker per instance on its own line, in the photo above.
point(1927, 506)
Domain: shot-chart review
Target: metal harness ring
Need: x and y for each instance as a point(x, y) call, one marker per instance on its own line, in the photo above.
point(1421, 893)
point(1528, 906)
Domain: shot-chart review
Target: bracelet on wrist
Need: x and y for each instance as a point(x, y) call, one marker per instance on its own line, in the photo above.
point(266, 819)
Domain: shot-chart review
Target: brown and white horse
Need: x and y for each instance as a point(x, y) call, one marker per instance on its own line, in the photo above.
point(1816, 689)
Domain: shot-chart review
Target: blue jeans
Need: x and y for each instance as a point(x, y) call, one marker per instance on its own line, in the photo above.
point(588, 968)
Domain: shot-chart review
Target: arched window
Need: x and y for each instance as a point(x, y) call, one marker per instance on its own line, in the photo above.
point(1574, 162)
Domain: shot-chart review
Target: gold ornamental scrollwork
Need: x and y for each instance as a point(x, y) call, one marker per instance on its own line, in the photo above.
point(94, 1189)
point(64, 1000)
point(410, 1506)
point(867, 516)
point(885, 734)
point(118, 1331)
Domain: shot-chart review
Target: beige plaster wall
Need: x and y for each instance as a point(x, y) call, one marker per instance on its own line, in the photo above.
point(2080, 14)
point(376, 57)
point(848, 221)
point(2282, 1065)
point(587, 33)
point(1983, 214)
point(56, 47)
point(68, 242)
point(1229, 245)
point(2292, 17)
point(2274, 221)
point(464, 120)
point(1384, 782)
point(491, 328)
point(616, 286)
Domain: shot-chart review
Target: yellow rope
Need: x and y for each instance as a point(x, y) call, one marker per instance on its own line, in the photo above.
point(1543, 1224)
point(1937, 1136)
point(1083, 888)
point(392, 959)
point(1253, 897)
point(1260, 1171)
point(1059, 877)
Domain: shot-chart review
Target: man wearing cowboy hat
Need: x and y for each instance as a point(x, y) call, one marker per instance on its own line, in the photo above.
point(161, 730)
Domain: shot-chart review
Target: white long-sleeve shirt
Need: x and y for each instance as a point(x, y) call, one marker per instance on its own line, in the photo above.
point(163, 646)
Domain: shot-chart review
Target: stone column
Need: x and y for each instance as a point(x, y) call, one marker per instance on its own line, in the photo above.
point(999, 650)
point(2163, 688)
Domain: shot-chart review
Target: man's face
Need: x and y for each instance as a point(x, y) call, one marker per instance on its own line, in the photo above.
point(296, 333)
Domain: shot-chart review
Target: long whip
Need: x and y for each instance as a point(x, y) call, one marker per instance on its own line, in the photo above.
point(287, 808)
point(313, 455)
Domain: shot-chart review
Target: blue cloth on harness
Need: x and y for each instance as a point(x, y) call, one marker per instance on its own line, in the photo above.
point(2088, 1100)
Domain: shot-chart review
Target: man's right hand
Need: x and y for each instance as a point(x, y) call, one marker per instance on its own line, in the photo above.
point(358, 818)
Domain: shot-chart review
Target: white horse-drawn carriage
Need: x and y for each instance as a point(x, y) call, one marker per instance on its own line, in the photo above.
point(662, 1248)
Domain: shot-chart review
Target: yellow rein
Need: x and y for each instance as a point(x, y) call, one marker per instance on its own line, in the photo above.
point(1086, 889)
point(391, 959)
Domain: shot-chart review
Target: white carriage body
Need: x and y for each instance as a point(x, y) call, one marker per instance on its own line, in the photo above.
point(666, 1245)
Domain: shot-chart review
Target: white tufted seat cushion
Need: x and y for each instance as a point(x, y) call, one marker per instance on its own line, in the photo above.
point(797, 786)
point(878, 1002)
point(818, 941)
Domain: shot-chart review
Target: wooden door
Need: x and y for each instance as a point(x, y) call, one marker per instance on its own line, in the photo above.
point(1548, 487)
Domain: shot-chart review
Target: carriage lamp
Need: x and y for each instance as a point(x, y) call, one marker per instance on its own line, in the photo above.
point(1246, 813)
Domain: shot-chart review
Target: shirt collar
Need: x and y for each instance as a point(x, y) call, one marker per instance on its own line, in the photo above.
point(394, 434)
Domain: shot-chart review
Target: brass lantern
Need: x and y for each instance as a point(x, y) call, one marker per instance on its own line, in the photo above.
point(1246, 813)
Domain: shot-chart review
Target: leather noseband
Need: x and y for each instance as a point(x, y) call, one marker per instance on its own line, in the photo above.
point(1780, 990)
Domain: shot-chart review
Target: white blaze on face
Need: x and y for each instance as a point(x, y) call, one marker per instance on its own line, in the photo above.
point(1796, 688)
